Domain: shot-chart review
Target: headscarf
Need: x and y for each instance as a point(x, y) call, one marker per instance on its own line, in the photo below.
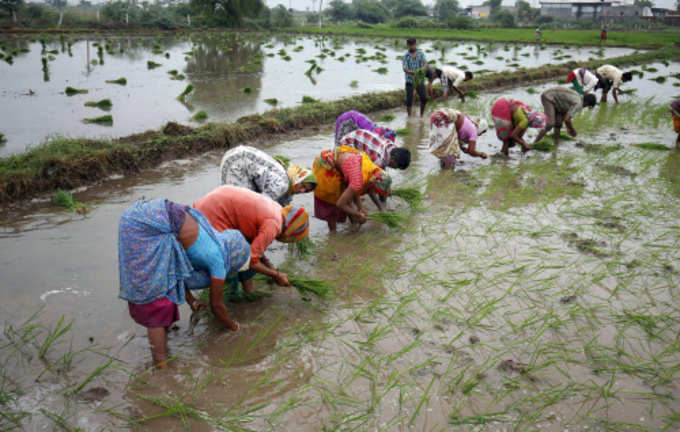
point(295, 224)
point(381, 182)
point(537, 120)
point(299, 175)
point(386, 133)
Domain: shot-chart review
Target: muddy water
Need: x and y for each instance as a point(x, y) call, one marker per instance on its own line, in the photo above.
point(33, 105)
point(490, 257)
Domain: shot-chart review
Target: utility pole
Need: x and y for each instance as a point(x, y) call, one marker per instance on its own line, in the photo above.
point(320, 13)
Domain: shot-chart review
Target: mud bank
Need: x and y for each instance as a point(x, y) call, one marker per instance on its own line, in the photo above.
point(69, 163)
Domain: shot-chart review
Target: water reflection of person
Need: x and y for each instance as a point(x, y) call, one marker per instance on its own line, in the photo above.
point(261, 220)
point(162, 246)
point(253, 169)
point(561, 105)
point(511, 119)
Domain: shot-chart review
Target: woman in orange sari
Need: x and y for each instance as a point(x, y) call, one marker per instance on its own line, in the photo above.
point(343, 174)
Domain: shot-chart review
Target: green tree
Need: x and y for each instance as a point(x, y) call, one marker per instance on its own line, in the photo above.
point(229, 12)
point(370, 11)
point(445, 9)
point(643, 3)
point(409, 8)
point(340, 11)
point(493, 4)
point(11, 6)
point(524, 10)
point(503, 18)
point(281, 17)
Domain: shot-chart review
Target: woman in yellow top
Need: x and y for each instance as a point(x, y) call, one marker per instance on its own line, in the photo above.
point(512, 118)
point(343, 174)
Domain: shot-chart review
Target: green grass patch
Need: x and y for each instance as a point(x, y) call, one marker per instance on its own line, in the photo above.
point(387, 117)
point(652, 146)
point(65, 200)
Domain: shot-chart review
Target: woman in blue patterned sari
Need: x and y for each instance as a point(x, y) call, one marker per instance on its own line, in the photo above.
point(165, 250)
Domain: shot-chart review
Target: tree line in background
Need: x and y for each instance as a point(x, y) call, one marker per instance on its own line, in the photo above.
point(171, 14)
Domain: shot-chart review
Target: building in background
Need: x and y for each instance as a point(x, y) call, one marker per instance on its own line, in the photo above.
point(577, 9)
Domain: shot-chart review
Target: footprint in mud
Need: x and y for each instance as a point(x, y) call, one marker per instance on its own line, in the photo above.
point(95, 394)
point(612, 223)
point(587, 246)
point(618, 170)
point(474, 340)
point(510, 365)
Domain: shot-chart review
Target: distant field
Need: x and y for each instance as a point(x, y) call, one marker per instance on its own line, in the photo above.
point(638, 39)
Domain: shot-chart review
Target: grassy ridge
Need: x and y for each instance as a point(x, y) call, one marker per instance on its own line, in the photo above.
point(571, 37)
point(71, 162)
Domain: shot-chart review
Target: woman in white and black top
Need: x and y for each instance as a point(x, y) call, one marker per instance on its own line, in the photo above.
point(450, 78)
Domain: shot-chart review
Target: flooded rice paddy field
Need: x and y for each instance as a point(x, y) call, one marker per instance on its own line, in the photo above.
point(232, 75)
point(538, 292)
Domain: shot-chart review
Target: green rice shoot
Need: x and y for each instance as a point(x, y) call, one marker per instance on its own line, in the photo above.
point(403, 131)
point(119, 81)
point(307, 286)
point(200, 116)
point(411, 195)
point(652, 146)
point(387, 118)
point(70, 91)
point(182, 96)
point(308, 99)
point(272, 101)
point(104, 104)
point(104, 120)
point(391, 219)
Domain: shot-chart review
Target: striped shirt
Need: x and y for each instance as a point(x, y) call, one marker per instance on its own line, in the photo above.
point(376, 147)
point(413, 63)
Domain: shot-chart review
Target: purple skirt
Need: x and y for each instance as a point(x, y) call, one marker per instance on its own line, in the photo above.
point(328, 212)
point(158, 313)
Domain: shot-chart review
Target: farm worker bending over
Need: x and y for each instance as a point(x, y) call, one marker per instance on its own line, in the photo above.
point(561, 105)
point(253, 169)
point(448, 129)
point(344, 174)
point(512, 118)
point(161, 247)
point(450, 77)
point(260, 220)
point(352, 120)
point(382, 152)
point(582, 80)
point(611, 77)
point(675, 113)
point(413, 60)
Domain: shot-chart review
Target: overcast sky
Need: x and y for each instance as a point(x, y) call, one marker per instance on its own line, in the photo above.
point(303, 4)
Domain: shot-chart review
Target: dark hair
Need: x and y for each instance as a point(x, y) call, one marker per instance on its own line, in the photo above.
point(589, 100)
point(410, 41)
point(627, 76)
point(402, 156)
point(468, 75)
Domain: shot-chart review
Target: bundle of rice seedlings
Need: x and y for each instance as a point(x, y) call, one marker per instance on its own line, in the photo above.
point(105, 120)
point(411, 195)
point(354, 84)
point(652, 146)
point(104, 104)
point(200, 116)
point(189, 88)
point(272, 101)
point(247, 90)
point(121, 81)
point(381, 70)
point(391, 219)
point(308, 99)
point(310, 286)
point(70, 91)
point(65, 200)
point(387, 117)
point(152, 64)
point(403, 131)
point(419, 77)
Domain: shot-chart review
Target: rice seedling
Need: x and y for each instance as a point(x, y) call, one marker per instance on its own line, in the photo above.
point(391, 219)
point(119, 81)
point(247, 90)
point(387, 117)
point(167, 55)
point(306, 286)
point(152, 65)
point(354, 84)
point(303, 248)
point(106, 120)
point(403, 132)
point(381, 70)
point(272, 101)
point(2, 138)
point(178, 77)
point(561, 81)
point(200, 116)
point(104, 104)
point(652, 146)
point(173, 72)
point(532, 90)
point(309, 100)
point(412, 196)
point(61, 328)
point(659, 79)
point(45, 65)
point(419, 77)
point(71, 91)
point(187, 90)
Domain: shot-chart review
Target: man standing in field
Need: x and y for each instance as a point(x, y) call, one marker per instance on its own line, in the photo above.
point(413, 60)
point(450, 77)
point(560, 106)
point(675, 113)
point(611, 77)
